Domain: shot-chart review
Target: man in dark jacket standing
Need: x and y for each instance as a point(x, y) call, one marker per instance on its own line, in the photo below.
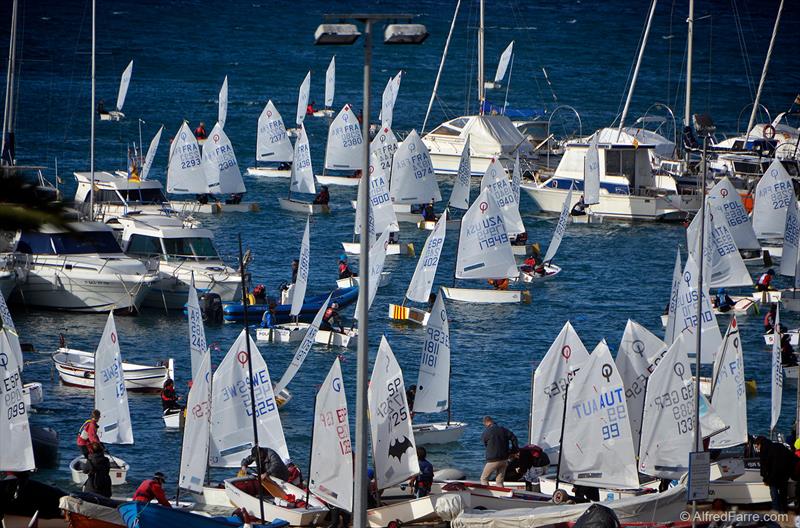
point(777, 464)
point(500, 445)
point(99, 470)
point(271, 463)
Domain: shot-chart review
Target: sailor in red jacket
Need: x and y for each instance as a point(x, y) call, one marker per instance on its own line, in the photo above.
point(765, 280)
point(152, 489)
point(88, 433)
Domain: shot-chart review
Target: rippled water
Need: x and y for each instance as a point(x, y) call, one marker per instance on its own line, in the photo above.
point(612, 272)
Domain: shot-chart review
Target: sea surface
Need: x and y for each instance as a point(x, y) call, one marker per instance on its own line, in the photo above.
point(182, 51)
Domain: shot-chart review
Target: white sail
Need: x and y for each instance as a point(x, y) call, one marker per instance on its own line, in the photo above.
point(11, 334)
point(377, 257)
point(194, 451)
point(561, 227)
point(598, 444)
point(185, 173)
point(776, 398)
point(222, 112)
point(459, 196)
point(220, 165)
point(550, 379)
point(344, 150)
point(496, 181)
point(773, 194)
point(151, 154)
point(484, 251)
point(382, 214)
point(15, 434)
point(272, 141)
point(686, 313)
point(124, 81)
point(728, 390)
point(383, 146)
point(110, 395)
point(389, 98)
point(302, 171)
point(413, 179)
point(304, 263)
point(668, 421)
point(433, 381)
point(331, 477)
point(639, 353)
point(791, 241)
point(502, 66)
point(591, 174)
point(393, 449)
point(302, 99)
point(726, 203)
point(197, 333)
point(231, 418)
point(516, 179)
point(359, 207)
point(419, 289)
point(672, 330)
point(724, 267)
point(302, 351)
point(330, 82)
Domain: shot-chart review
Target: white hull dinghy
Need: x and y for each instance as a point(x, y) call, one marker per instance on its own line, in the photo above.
point(275, 508)
point(294, 332)
point(33, 394)
point(747, 489)
point(344, 181)
point(272, 146)
point(268, 172)
point(174, 418)
point(402, 513)
point(438, 432)
point(471, 295)
point(328, 112)
point(550, 271)
point(217, 207)
point(349, 282)
point(119, 470)
point(354, 248)
point(742, 306)
point(76, 368)
point(297, 206)
point(767, 297)
point(588, 218)
point(794, 337)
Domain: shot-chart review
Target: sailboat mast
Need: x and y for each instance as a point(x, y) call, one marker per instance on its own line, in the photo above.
point(687, 108)
point(8, 118)
point(764, 71)
point(481, 88)
point(91, 140)
point(561, 437)
point(636, 70)
point(441, 67)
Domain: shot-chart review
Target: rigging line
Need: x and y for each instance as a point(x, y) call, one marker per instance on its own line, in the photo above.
point(633, 65)
point(748, 74)
point(710, 50)
point(669, 51)
point(519, 20)
point(70, 96)
point(470, 73)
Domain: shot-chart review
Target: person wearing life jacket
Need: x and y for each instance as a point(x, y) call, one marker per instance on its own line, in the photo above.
point(268, 320)
point(423, 481)
point(765, 280)
point(259, 294)
point(310, 108)
point(169, 398)
point(332, 318)
point(579, 209)
point(723, 301)
point(87, 435)
point(428, 214)
point(101, 107)
point(295, 268)
point(200, 131)
point(344, 268)
point(323, 196)
point(499, 284)
point(295, 476)
point(152, 489)
point(769, 319)
point(788, 357)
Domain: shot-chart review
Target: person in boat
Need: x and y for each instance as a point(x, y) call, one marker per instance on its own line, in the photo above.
point(586, 493)
point(98, 468)
point(394, 238)
point(295, 476)
point(769, 319)
point(788, 357)
point(332, 318)
point(764, 282)
point(285, 165)
point(260, 294)
point(422, 482)
point(202, 199)
point(235, 199)
point(101, 107)
point(87, 435)
point(520, 240)
point(200, 131)
point(295, 268)
point(777, 464)
point(310, 108)
point(268, 320)
point(344, 268)
point(269, 463)
point(723, 301)
point(500, 444)
point(579, 209)
point(323, 196)
point(152, 489)
point(411, 394)
point(499, 284)
point(169, 398)
point(531, 463)
point(431, 300)
point(428, 214)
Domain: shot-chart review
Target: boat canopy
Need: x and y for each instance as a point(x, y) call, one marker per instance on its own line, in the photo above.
point(117, 188)
point(662, 147)
point(489, 135)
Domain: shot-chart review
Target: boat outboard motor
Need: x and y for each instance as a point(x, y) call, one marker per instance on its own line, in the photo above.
point(211, 308)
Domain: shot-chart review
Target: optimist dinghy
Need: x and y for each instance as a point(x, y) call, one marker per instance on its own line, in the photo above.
point(343, 151)
point(273, 146)
point(302, 180)
point(548, 270)
point(124, 82)
point(330, 89)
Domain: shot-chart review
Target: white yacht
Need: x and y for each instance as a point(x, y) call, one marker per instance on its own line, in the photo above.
point(183, 251)
point(79, 268)
point(629, 190)
point(116, 195)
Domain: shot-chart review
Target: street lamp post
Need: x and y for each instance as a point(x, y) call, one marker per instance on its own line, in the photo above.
point(344, 34)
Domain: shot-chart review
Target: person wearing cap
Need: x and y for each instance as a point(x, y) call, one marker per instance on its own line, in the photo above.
point(270, 463)
point(323, 196)
point(723, 301)
point(764, 282)
point(332, 318)
point(428, 214)
point(152, 489)
point(344, 268)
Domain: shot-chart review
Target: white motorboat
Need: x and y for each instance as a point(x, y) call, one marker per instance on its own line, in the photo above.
point(76, 367)
point(118, 473)
point(438, 432)
point(80, 268)
point(294, 332)
point(349, 282)
point(116, 194)
point(794, 337)
point(185, 253)
point(243, 493)
point(629, 190)
point(12, 272)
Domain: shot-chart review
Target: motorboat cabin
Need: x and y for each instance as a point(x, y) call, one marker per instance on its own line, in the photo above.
point(117, 195)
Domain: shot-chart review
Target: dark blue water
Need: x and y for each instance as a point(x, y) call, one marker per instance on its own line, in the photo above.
point(183, 51)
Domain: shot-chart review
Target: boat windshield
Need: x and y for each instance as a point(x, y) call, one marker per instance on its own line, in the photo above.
point(189, 248)
point(77, 243)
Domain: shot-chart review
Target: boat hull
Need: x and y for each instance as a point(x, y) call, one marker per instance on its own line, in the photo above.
point(314, 514)
point(297, 206)
point(295, 332)
point(794, 337)
point(171, 290)
point(76, 368)
point(438, 432)
point(482, 296)
point(118, 473)
point(173, 419)
point(385, 279)
point(550, 271)
point(766, 297)
point(267, 172)
point(398, 312)
point(354, 248)
point(345, 181)
point(404, 512)
point(187, 207)
point(344, 296)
